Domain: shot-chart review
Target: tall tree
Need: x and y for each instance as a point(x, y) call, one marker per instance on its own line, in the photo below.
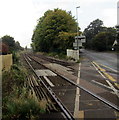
point(9, 41)
point(17, 46)
point(46, 34)
point(4, 49)
point(103, 41)
point(94, 28)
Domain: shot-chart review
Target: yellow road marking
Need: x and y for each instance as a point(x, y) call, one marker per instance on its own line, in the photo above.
point(108, 67)
point(117, 85)
point(99, 67)
point(106, 74)
point(109, 77)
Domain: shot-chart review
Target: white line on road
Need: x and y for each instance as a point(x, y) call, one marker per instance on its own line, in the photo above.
point(101, 84)
point(109, 83)
point(109, 67)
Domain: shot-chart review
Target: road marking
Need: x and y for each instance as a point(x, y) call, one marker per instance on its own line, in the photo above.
point(104, 72)
point(48, 81)
point(108, 67)
point(109, 77)
point(101, 84)
point(98, 68)
point(77, 113)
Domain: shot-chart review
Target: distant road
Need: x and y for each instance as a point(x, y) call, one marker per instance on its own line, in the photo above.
point(108, 59)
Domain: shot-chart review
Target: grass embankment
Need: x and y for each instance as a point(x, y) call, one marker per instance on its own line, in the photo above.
point(61, 56)
point(18, 104)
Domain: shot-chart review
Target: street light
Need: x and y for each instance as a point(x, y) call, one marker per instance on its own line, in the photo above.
point(77, 26)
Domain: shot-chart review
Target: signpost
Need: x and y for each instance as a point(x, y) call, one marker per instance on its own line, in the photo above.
point(78, 41)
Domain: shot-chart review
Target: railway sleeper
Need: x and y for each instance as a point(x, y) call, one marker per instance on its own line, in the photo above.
point(50, 105)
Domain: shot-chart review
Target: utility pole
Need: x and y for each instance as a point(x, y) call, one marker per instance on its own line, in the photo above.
point(77, 26)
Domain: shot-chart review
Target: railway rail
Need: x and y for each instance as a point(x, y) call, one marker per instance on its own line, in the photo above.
point(62, 84)
point(65, 111)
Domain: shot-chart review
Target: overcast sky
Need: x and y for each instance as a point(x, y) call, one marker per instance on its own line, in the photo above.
point(18, 18)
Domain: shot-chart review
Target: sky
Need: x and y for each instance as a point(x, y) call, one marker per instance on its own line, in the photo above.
point(18, 18)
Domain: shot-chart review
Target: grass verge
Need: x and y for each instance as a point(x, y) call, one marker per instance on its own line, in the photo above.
point(17, 103)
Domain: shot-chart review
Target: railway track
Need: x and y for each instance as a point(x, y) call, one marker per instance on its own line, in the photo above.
point(64, 111)
point(59, 86)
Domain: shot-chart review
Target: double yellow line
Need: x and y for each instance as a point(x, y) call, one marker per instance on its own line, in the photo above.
point(106, 74)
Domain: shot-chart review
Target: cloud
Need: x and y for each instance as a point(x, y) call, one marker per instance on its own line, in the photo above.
point(109, 17)
point(19, 17)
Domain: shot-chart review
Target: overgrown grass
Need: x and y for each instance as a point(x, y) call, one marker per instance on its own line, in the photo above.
point(14, 77)
point(17, 103)
point(58, 55)
point(22, 107)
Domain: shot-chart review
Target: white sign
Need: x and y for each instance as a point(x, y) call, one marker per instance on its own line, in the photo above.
point(77, 40)
point(80, 37)
point(75, 45)
point(83, 40)
point(80, 40)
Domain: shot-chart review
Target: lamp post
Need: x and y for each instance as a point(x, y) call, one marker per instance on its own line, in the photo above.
point(77, 26)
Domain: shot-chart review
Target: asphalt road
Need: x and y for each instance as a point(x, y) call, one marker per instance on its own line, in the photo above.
point(105, 58)
point(98, 74)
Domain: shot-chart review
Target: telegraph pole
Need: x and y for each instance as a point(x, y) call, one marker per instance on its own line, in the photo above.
point(77, 26)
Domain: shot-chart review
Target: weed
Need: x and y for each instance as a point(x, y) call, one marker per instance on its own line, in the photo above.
point(22, 108)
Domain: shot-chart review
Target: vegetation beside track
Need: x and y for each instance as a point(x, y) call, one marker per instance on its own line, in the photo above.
point(17, 103)
point(55, 55)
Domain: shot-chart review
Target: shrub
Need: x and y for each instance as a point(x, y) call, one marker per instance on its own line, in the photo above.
point(23, 107)
point(15, 77)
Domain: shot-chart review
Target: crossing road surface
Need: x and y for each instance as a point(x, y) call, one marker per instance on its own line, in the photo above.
point(99, 70)
point(108, 59)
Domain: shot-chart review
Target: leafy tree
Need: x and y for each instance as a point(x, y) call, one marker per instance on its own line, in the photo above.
point(66, 40)
point(117, 38)
point(99, 37)
point(47, 34)
point(3, 48)
point(17, 46)
point(8, 40)
point(103, 41)
point(94, 28)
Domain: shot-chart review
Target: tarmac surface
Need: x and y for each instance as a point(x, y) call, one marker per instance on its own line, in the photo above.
point(87, 74)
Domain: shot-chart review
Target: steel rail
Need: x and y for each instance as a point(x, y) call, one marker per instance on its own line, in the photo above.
point(86, 90)
point(66, 112)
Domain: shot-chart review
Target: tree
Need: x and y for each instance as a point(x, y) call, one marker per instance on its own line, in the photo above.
point(9, 41)
point(4, 49)
point(66, 40)
point(103, 41)
point(94, 28)
point(17, 46)
point(46, 36)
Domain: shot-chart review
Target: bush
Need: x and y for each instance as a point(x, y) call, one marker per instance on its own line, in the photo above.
point(15, 77)
point(15, 58)
point(23, 107)
point(17, 104)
